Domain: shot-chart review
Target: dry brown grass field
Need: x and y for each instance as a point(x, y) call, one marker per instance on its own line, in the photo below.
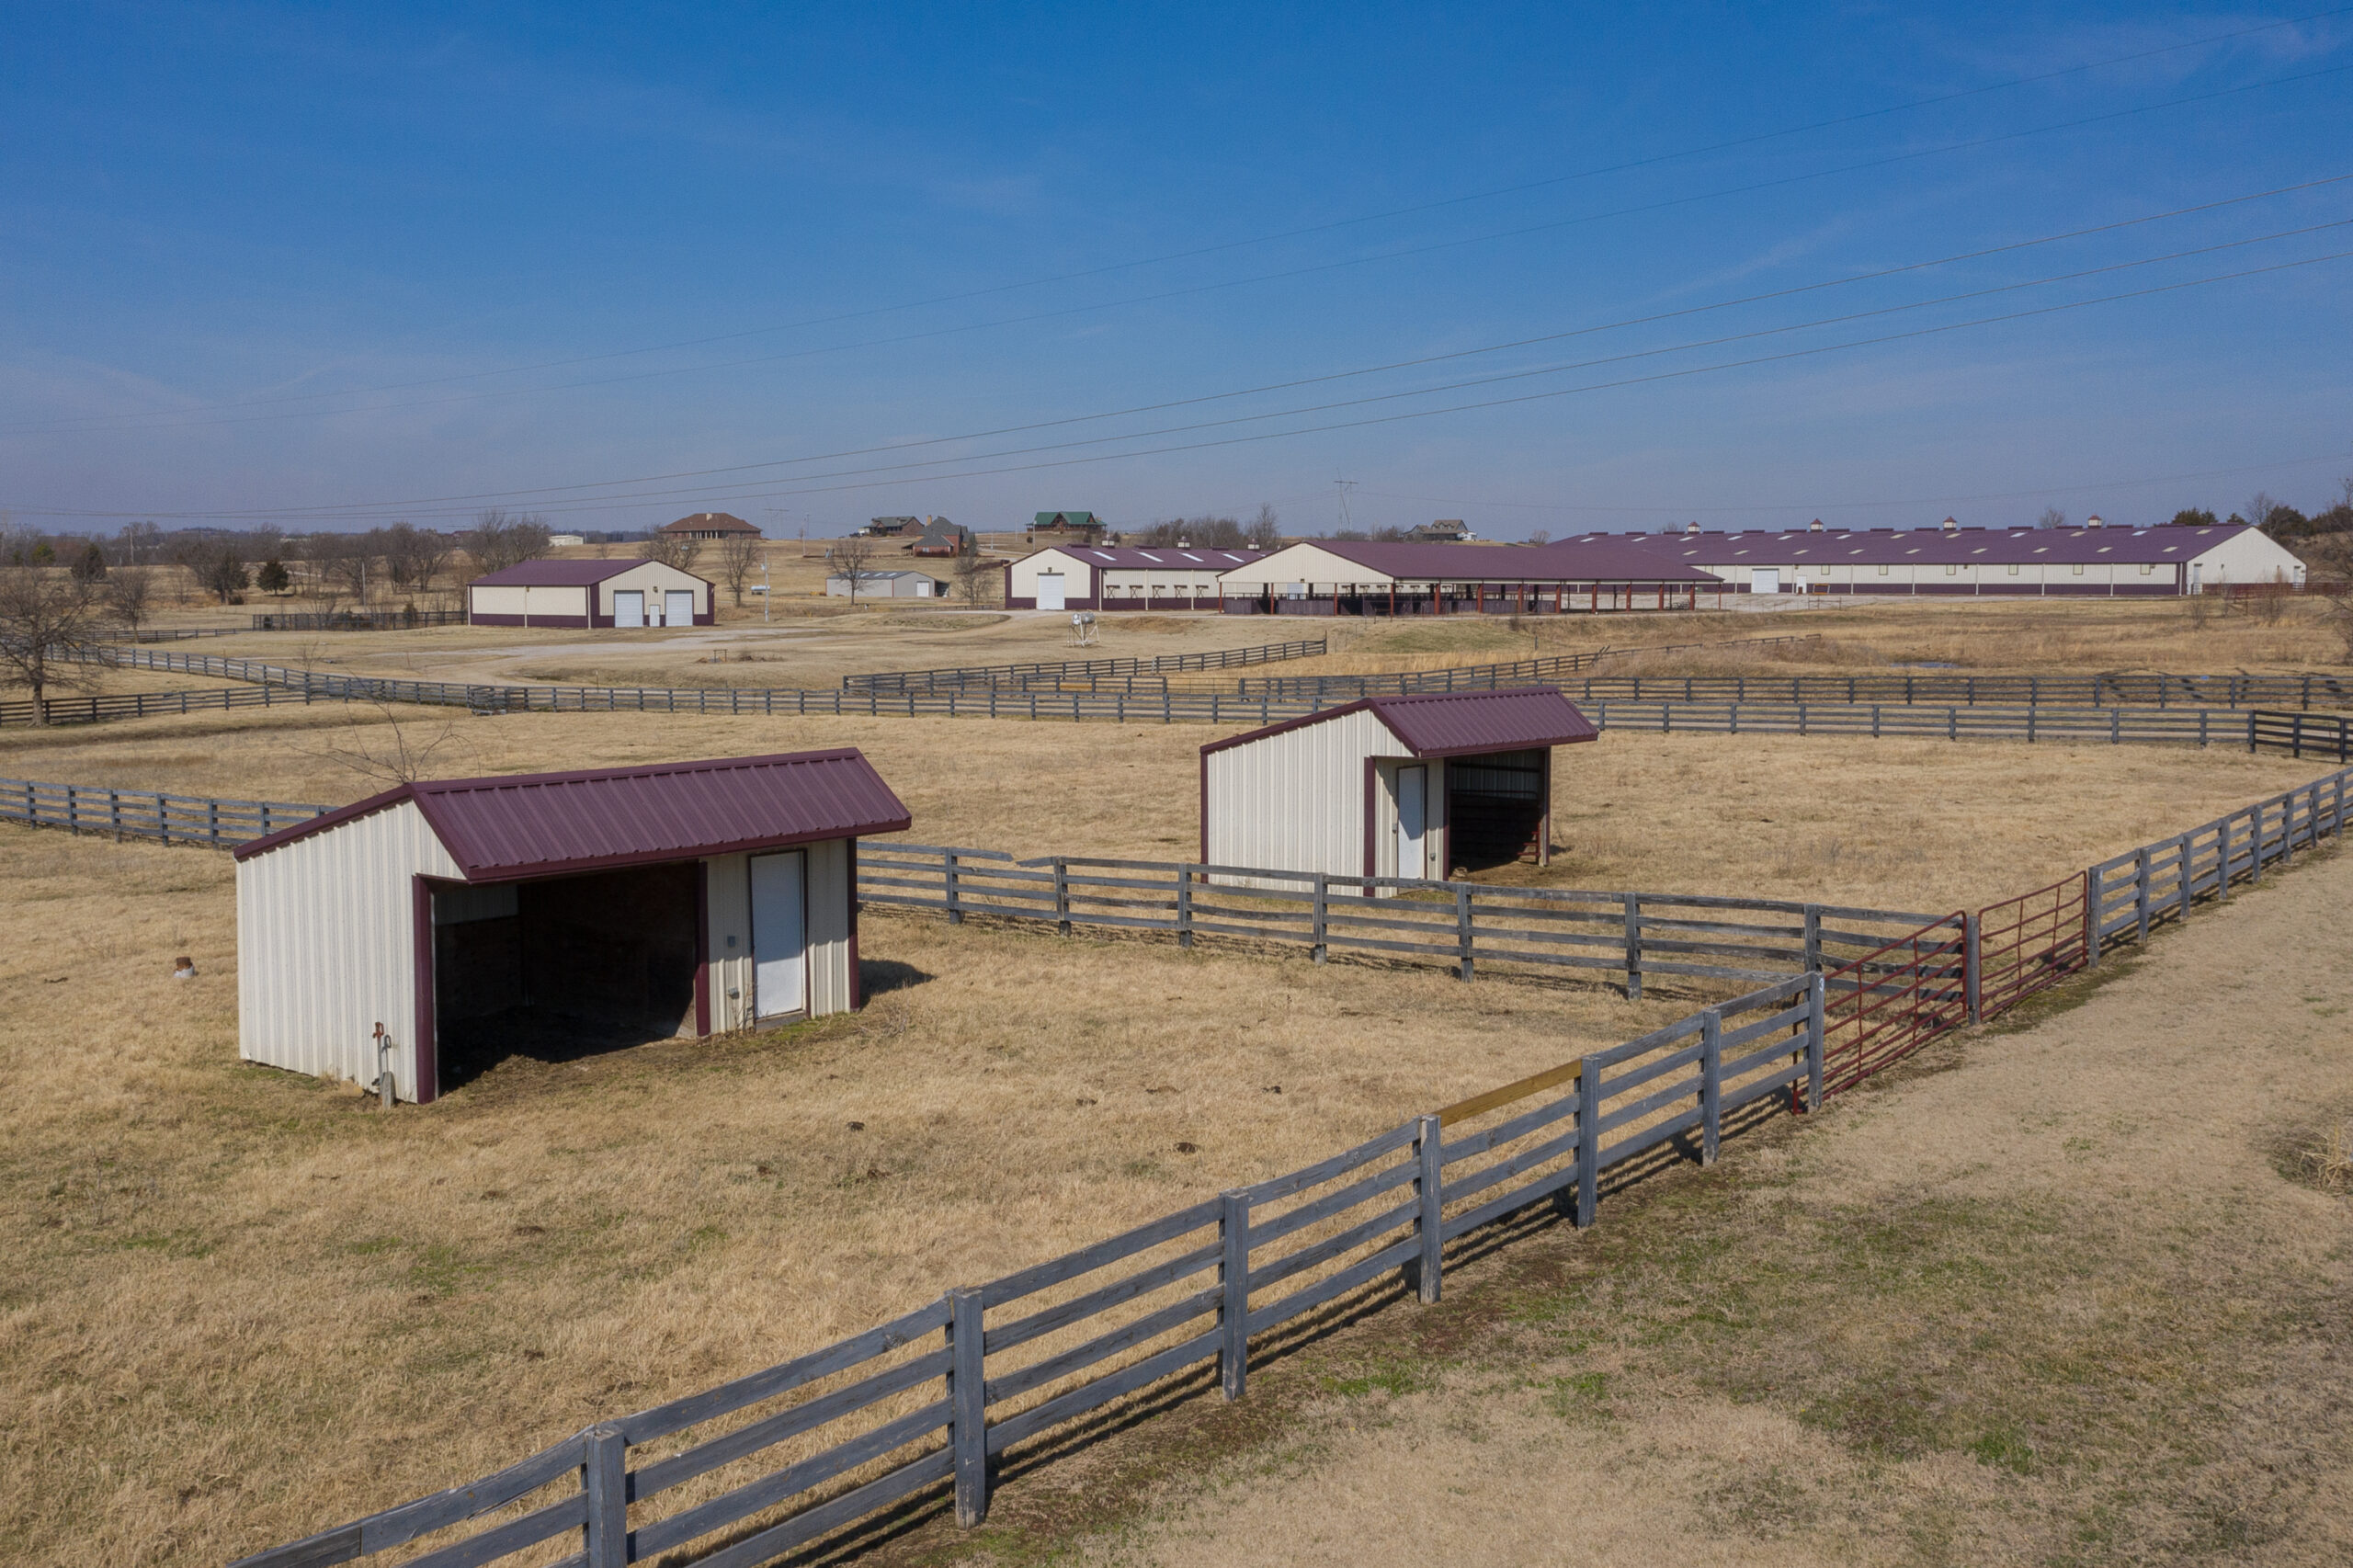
point(238, 1306)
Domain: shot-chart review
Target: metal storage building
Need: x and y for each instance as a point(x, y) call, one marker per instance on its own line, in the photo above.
point(886, 585)
point(1405, 787)
point(1108, 577)
point(588, 593)
point(1355, 577)
point(455, 918)
point(2090, 562)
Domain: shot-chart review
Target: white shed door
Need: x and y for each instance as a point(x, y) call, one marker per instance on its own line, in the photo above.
point(1764, 580)
point(1412, 822)
point(629, 607)
point(779, 934)
point(1049, 590)
point(680, 608)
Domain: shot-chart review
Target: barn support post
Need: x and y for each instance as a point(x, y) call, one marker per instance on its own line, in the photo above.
point(1318, 918)
point(1233, 1295)
point(604, 1477)
point(1431, 1188)
point(1634, 946)
point(967, 1394)
point(1589, 1142)
point(1462, 930)
point(1711, 1084)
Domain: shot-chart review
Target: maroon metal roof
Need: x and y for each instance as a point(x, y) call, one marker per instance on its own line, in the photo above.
point(540, 824)
point(1155, 557)
point(558, 573)
point(1599, 558)
point(1456, 724)
point(1933, 546)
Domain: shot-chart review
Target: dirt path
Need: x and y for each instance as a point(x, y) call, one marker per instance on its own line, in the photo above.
point(2067, 1300)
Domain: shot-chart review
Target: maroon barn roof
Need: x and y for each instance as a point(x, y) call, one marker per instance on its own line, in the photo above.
point(552, 573)
point(539, 825)
point(1592, 559)
point(1457, 724)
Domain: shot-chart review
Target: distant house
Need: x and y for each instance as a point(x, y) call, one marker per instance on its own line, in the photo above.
point(892, 527)
point(561, 540)
point(1446, 530)
point(942, 537)
point(1064, 528)
point(710, 525)
point(887, 585)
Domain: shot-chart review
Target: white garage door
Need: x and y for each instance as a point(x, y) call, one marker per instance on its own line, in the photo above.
point(681, 606)
point(780, 934)
point(1764, 580)
point(1049, 590)
point(629, 607)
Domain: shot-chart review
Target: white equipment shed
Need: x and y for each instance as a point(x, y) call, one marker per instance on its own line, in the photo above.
point(1403, 788)
point(438, 927)
point(620, 594)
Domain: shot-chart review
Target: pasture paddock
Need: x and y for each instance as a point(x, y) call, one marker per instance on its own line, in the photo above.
point(224, 1271)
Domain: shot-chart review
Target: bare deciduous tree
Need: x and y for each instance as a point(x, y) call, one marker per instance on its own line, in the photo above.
point(42, 614)
point(671, 550)
point(501, 538)
point(738, 553)
point(395, 748)
point(2052, 518)
point(415, 556)
point(1265, 529)
point(129, 590)
point(847, 558)
point(973, 576)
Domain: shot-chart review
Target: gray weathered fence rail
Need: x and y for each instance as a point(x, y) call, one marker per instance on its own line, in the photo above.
point(1082, 670)
point(740, 1474)
point(2154, 689)
point(141, 814)
point(1460, 925)
point(148, 704)
point(356, 619)
point(2301, 734)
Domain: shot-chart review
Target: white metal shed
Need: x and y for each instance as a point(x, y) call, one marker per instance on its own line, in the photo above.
point(621, 594)
point(447, 923)
point(1407, 786)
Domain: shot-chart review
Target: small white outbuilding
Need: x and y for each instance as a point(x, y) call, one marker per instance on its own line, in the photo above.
point(437, 927)
point(1409, 787)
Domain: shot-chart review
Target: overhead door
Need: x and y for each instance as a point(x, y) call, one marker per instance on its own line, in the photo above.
point(629, 607)
point(1764, 580)
point(779, 934)
point(679, 607)
point(1049, 590)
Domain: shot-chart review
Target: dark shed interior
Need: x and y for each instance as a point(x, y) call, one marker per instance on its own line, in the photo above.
point(563, 967)
point(1495, 806)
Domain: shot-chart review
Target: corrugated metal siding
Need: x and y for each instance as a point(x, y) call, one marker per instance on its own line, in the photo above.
point(1295, 801)
point(1485, 721)
point(326, 946)
point(829, 895)
point(652, 577)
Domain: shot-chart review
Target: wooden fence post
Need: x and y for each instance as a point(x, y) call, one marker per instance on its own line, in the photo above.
point(1711, 1084)
point(2188, 882)
point(1233, 1302)
point(1431, 1189)
point(1814, 1033)
point(968, 1394)
point(2140, 891)
point(2095, 901)
point(1462, 930)
point(604, 1476)
point(1184, 907)
point(1589, 1142)
point(2254, 842)
point(1972, 980)
point(1061, 895)
point(1633, 946)
point(953, 894)
point(1812, 937)
point(1320, 919)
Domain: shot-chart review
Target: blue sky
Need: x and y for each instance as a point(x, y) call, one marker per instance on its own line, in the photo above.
point(347, 264)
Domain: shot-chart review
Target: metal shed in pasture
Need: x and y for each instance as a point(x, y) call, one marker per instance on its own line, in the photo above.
point(588, 594)
point(443, 924)
point(1391, 786)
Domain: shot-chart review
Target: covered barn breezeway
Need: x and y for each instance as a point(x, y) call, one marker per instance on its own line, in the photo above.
point(433, 931)
point(1414, 787)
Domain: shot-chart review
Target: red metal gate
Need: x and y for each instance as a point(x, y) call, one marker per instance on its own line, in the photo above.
point(2027, 943)
point(1886, 1005)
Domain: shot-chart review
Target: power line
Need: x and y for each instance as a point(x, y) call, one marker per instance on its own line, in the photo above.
point(552, 494)
point(170, 418)
point(1620, 384)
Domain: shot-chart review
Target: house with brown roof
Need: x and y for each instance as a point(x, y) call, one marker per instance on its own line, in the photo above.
point(709, 525)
